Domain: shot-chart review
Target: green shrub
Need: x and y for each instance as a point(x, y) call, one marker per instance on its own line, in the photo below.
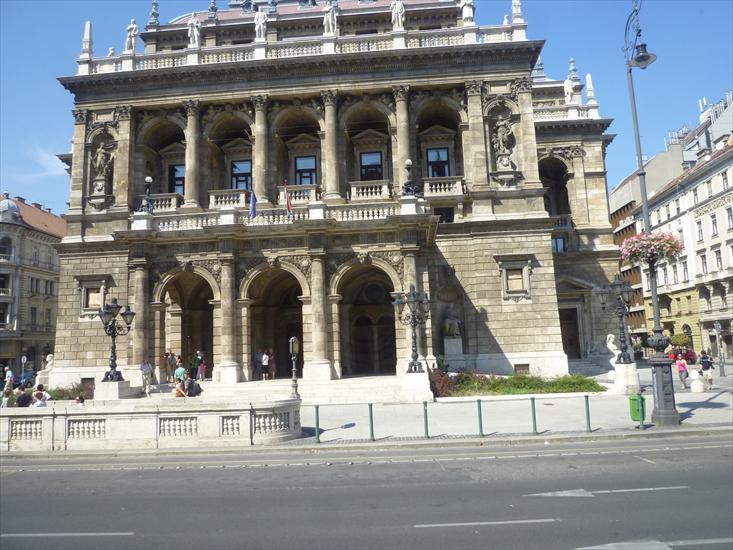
point(440, 383)
point(69, 393)
point(680, 340)
point(474, 384)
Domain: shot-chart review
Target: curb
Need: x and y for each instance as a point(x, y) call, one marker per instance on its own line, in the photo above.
point(499, 440)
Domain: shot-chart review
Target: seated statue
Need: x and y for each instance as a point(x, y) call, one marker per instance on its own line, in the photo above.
point(451, 323)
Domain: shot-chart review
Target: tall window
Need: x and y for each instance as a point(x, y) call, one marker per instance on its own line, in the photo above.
point(713, 225)
point(4, 284)
point(666, 208)
point(34, 316)
point(305, 170)
point(709, 186)
point(675, 277)
point(6, 248)
point(695, 197)
point(685, 273)
point(677, 206)
point(241, 174)
point(48, 317)
point(718, 260)
point(681, 235)
point(724, 177)
point(4, 314)
point(371, 166)
point(729, 217)
point(176, 178)
point(699, 231)
point(438, 166)
point(704, 264)
point(664, 275)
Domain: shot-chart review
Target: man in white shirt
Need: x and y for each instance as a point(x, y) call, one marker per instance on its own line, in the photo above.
point(9, 377)
point(265, 364)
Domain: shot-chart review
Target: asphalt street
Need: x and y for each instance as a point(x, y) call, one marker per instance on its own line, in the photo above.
point(656, 494)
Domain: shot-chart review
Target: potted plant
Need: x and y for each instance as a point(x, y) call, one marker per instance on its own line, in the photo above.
point(638, 350)
point(651, 247)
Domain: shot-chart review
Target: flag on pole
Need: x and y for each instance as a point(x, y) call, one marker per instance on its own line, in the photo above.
point(288, 202)
point(252, 205)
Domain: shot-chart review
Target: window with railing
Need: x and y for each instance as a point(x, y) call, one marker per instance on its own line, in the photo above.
point(6, 248)
point(438, 165)
point(371, 166)
point(305, 170)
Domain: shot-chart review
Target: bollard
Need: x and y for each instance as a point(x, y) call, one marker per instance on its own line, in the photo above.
point(480, 419)
point(587, 415)
point(534, 417)
point(318, 427)
point(371, 423)
point(640, 409)
point(425, 418)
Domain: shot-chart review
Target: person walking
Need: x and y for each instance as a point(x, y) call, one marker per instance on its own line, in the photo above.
point(170, 365)
point(9, 379)
point(706, 368)
point(682, 370)
point(265, 364)
point(146, 370)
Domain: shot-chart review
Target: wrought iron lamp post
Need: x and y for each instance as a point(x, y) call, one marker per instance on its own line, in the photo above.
point(623, 293)
point(417, 312)
point(147, 204)
point(294, 345)
point(664, 412)
point(721, 354)
point(408, 189)
point(113, 328)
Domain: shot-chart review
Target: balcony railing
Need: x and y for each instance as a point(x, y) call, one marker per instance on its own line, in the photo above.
point(443, 187)
point(228, 198)
point(166, 202)
point(563, 222)
point(365, 191)
point(299, 194)
point(361, 212)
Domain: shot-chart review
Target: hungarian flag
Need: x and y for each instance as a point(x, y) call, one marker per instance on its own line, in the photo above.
point(288, 202)
point(252, 204)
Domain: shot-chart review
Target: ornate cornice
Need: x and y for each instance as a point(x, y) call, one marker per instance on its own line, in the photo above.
point(401, 93)
point(329, 97)
point(81, 116)
point(122, 112)
point(192, 107)
point(474, 87)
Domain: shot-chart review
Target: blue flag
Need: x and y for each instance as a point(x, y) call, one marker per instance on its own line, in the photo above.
point(252, 205)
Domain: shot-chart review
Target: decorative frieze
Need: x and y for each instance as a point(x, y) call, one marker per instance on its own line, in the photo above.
point(714, 205)
point(213, 110)
point(520, 85)
point(212, 266)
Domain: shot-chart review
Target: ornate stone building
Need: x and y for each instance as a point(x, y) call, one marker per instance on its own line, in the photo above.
point(278, 140)
point(29, 277)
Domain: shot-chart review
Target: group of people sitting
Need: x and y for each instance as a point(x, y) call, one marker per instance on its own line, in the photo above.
point(25, 398)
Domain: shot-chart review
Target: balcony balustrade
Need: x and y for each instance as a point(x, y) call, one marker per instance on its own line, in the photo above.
point(228, 198)
point(299, 194)
point(443, 187)
point(366, 212)
point(369, 191)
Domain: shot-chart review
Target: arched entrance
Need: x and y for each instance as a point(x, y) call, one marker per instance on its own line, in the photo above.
point(368, 344)
point(276, 315)
point(189, 319)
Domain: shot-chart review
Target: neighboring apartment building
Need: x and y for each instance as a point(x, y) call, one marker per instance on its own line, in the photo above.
point(29, 278)
point(694, 291)
point(328, 114)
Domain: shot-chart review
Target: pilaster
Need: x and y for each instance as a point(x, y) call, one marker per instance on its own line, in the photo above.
point(476, 153)
point(123, 186)
point(141, 326)
point(78, 163)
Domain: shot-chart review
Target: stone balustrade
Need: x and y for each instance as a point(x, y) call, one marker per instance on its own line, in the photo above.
point(443, 187)
point(228, 198)
point(184, 423)
point(165, 202)
point(187, 222)
point(365, 212)
point(299, 194)
point(275, 217)
point(302, 48)
point(362, 191)
point(570, 111)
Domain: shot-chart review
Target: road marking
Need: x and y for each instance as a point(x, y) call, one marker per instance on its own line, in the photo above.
point(699, 542)
point(654, 544)
point(28, 535)
point(645, 459)
point(478, 523)
point(584, 493)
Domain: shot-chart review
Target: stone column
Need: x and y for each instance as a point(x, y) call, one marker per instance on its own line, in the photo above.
point(475, 158)
point(159, 339)
point(527, 139)
point(123, 185)
point(318, 367)
point(227, 371)
point(78, 164)
point(401, 96)
point(259, 168)
point(246, 339)
point(193, 132)
point(331, 175)
point(334, 303)
point(140, 329)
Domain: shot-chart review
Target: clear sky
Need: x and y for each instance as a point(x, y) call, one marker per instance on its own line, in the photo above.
point(40, 40)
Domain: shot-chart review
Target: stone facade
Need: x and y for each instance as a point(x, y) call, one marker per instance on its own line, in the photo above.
point(297, 184)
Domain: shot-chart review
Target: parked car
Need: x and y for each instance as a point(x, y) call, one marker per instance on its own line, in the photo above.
point(26, 380)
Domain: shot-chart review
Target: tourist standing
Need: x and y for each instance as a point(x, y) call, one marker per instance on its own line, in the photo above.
point(265, 364)
point(195, 363)
point(272, 367)
point(9, 378)
point(682, 370)
point(6, 398)
point(202, 370)
point(146, 370)
point(180, 370)
point(170, 365)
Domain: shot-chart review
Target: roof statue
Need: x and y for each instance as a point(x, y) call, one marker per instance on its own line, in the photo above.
point(517, 11)
point(398, 15)
point(212, 11)
point(329, 19)
point(506, 19)
point(260, 25)
point(132, 32)
point(111, 52)
point(154, 13)
point(194, 32)
point(468, 10)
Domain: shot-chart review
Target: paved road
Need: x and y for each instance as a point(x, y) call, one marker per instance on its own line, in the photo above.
point(672, 493)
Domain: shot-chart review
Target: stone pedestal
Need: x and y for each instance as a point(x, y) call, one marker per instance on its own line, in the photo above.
point(697, 385)
point(453, 353)
point(415, 388)
point(317, 370)
point(227, 373)
point(110, 391)
point(142, 221)
point(625, 379)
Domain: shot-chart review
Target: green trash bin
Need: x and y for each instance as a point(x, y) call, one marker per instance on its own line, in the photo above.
point(634, 407)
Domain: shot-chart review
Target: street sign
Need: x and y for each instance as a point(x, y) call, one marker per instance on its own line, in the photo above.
point(23, 359)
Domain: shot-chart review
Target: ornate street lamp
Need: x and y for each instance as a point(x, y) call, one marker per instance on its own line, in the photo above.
point(664, 412)
point(721, 355)
point(113, 328)
point(623, 293)
point(294, 345)
point(417, 312)
point(408, 189)
point(147, 204)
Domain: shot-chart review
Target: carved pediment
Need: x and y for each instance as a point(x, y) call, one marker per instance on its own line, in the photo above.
point(174, 150)
point(303, 143)
point(571, 285)
point(370, 137)
point(237, 146)
point(437, 132)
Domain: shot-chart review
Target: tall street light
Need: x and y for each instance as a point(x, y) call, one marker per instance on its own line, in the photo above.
point(664, 412)
point(721, 354)
point(622, 292)
point(417, 312)
point(294, 345)
point(113, 328)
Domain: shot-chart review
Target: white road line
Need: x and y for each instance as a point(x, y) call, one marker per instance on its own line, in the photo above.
point(698, 542)
point(645, 459)
point(29, 535)
point(478, 523)
point(640, 489)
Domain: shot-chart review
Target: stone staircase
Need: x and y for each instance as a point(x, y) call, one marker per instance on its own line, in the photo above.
point(370, 389)
point(586, 367)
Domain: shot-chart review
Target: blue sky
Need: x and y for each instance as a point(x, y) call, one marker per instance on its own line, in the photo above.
point(40, 40)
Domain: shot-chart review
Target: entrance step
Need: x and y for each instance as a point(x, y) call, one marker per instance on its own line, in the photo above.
point(586, 367)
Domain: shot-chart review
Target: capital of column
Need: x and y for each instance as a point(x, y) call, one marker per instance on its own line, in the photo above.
point(259, 102)
point(80, 116)
point(192, 107)
point(329, 97)
point(474, 87)
point(123, 112)
point(401, 93)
